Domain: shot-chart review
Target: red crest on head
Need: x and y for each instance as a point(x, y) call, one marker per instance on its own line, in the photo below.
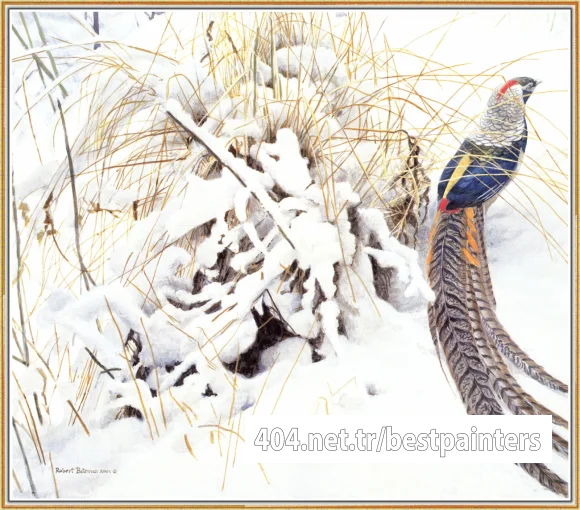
point(505, 88)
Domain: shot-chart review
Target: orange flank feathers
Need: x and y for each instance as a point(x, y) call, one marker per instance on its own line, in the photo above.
point(472, 242)
point(470, 257)
point(470, 213)
point(429, 257)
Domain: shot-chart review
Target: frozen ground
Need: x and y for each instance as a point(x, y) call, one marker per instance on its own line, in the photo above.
point(389, 365)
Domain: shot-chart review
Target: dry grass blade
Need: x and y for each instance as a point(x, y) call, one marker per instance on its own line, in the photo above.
point(85, 272)
point(77, 415)
point(24, 348)
point(25, 458)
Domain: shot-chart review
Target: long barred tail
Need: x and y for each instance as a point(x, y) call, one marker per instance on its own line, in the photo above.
point(464, 326)
point(547, 478)
point(448, 269)
point(509, 349)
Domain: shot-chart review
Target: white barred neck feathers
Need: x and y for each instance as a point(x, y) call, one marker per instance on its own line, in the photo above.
point(504, 119)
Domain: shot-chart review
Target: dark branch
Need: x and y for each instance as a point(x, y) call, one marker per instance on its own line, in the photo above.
point(84, 271)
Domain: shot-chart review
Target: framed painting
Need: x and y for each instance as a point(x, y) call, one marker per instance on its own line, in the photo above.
point(311, 254)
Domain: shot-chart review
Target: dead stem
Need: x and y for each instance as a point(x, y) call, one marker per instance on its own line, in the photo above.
point(24, 348)
point(84, 271)
point(26, 465)
point(79, 417)
point(105, 369)
point(53, 476)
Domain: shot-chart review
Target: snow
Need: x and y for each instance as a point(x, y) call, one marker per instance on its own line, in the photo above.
point(278, 157)
point(382, 360)
point(306, 63)
point(203, 201)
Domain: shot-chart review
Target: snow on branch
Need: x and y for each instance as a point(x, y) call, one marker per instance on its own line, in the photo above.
point(246, 176)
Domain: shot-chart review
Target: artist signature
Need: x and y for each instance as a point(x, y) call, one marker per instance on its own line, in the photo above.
point(85, 471)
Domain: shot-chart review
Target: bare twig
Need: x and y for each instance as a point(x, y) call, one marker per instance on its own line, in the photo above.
point(84, 271)
point(26, 465)
point(96, 27)
point(39, 414)
point(280, 314)
point(234, 173)
point(110, 370)
point(16, 358)
point(105, 369)
point(24, 349)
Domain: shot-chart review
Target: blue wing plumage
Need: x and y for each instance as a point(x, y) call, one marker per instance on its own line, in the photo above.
point(488, 171)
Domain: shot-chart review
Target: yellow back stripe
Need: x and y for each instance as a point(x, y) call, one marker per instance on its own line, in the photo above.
point(462, 166)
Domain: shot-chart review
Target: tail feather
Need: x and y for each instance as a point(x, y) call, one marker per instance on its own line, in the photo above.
point(560, 444)
point(447, 273)
point(505, 385)
point(435, 337)
point(479, 224)
point(515, 355)
point(462, 321)
point(491, 324)
point(500, 382)
point(517, 400)
point(499, 375)
point(547, 478)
